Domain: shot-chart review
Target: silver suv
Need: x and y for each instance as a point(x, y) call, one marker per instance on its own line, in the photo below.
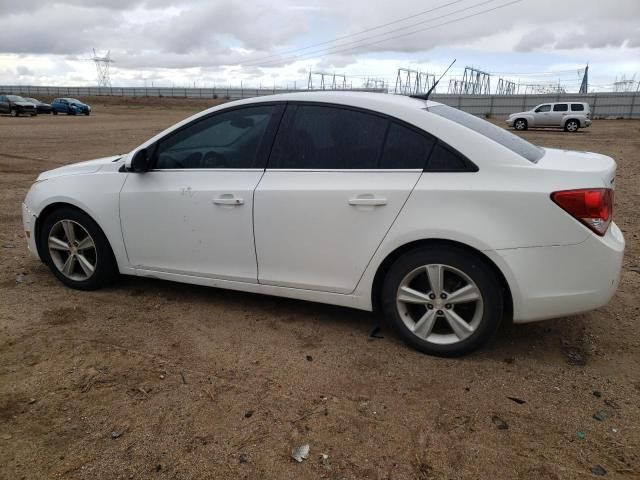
point(568, 115)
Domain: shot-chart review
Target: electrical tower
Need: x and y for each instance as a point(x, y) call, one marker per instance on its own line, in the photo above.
point(624, 84)
point(506, 87)
point(375, 83)
point(334, 81)
point(584, 86)
point(102, 67)
point(474, 82)
point(413, 82)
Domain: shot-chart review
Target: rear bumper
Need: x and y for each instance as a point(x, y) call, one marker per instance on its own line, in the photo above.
point(585, 123)
point(550, 282)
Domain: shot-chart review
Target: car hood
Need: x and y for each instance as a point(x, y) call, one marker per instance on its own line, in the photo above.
point(90, 166)
point(520, 113)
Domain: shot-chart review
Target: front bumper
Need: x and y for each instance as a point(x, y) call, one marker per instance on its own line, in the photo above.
point(509, 121)
point(29, 224)
point(556, 281)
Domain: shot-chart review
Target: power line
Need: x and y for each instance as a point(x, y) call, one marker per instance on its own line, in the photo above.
point(360, 32)
point(305, 56)
point(370, 37)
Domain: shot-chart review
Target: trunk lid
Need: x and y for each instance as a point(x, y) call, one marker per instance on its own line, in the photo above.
point(600, 169)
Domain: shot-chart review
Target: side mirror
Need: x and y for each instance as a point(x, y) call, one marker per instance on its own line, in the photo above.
point(139, 163)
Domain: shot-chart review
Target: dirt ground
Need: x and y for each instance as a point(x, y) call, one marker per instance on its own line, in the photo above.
point(151, 379)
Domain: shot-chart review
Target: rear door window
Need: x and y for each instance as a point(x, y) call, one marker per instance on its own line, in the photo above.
point(318, 137)
point(405, 148)
point(577, 107)
point(561, 107)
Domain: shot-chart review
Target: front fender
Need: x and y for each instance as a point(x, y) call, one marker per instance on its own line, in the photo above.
point(95, 194)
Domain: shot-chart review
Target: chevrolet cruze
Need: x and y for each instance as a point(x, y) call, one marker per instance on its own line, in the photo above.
point(445, 223)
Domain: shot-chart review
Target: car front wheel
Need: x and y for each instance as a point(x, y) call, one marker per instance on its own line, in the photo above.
point(76, 250)
point(520, 124)
point(443, 301)
point(14, 112)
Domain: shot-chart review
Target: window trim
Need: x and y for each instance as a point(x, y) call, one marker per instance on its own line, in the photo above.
point(264, 149)
point(471, 167)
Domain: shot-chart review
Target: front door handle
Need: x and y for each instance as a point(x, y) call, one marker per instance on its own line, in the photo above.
point(368, 200)
point(228, 199)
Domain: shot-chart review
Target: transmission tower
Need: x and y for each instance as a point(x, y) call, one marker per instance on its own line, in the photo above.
point(413, 82)
point(375, 83)
point(328, 81)
point(474, 82)
point(584, 86)
point(506, 87)
point(102, 67)
point(624, 84)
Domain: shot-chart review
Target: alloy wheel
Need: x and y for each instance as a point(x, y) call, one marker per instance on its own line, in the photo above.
point(439, 304)
point(72, 250)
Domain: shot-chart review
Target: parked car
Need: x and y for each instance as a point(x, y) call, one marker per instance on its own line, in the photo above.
point(15, 105)
point(440, 220)
point(568, 115)
point(40, 106)
point(70, 106)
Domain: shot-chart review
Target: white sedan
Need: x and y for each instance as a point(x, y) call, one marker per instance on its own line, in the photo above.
point(442, 221)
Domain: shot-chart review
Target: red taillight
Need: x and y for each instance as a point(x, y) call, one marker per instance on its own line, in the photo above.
point(591, 206)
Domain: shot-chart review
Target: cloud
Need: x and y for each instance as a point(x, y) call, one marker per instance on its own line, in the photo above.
point(210, 37)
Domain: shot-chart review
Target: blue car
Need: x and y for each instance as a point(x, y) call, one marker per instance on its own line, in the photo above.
point(70, 106)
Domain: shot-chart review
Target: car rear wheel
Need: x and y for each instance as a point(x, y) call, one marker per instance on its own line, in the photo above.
point(520, 124)
point(571, 126)
point(55, 112)
point(76, 250)
point(443, 301)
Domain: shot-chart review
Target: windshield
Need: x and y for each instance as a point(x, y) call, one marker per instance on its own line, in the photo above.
point(15, 98)
point(495, 133)
point(32, 100)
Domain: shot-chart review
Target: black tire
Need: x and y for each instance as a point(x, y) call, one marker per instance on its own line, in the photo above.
point(474, 267)
point(87, 113)
point(571, 126)
point(55, 112)
point(105, 265)
point(71, 112)
point(521, 124)
point(14, 112)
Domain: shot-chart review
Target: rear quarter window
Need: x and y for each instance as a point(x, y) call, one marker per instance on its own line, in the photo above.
point(505, 138)
point(577, 107)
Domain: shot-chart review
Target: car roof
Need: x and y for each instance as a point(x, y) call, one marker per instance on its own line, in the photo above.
point(382, 102)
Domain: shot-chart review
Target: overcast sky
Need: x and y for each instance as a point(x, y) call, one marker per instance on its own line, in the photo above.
point(170, 42)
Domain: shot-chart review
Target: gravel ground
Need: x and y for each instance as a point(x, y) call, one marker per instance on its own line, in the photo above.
point(151, 379)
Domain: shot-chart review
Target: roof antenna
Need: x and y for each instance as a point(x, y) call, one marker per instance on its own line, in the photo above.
point(426, 95)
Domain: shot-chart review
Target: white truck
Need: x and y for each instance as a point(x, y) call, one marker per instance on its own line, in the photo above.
point(568, 115)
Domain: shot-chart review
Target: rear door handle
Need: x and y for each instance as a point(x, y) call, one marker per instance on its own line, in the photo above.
point(368, 200)
point(228, 199)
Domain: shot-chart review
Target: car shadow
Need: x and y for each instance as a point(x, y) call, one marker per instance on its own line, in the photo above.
point(542, 341)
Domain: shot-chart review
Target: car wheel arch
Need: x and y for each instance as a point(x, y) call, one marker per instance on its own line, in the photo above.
point(52, 207)
point(385, 265)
